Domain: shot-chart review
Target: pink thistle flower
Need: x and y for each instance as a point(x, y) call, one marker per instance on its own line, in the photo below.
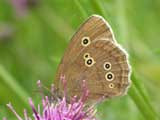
point(60, 109)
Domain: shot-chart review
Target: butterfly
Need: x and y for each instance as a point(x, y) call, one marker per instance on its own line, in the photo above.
point(94, 55)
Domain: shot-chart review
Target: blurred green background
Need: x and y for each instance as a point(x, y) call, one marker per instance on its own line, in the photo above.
point(35, 33)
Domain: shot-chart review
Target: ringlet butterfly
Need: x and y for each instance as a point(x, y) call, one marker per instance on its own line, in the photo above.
point(94, 55)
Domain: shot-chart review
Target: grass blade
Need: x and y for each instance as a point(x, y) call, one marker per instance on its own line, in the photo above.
point(98, 7)
point(81, 9)
point(12, 83)
point(141, 100)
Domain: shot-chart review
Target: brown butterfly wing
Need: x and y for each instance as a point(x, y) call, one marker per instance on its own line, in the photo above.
point(95, 27)
point(102, 48)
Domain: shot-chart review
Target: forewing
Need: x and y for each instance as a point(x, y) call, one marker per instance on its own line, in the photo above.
point(95, 27)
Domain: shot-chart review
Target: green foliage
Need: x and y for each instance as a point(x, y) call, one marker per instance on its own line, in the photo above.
point(35, 43)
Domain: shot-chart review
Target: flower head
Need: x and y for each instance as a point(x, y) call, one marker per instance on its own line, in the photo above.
point(60, 109)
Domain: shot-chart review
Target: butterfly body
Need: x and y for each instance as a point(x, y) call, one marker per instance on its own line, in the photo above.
point(94, 55)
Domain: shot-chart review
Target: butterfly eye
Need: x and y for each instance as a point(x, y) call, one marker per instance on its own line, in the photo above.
point(109, 76)
point(107, 65)
point(89, 62)
point(86, 55)
point(85, 41)
point(111, 85)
